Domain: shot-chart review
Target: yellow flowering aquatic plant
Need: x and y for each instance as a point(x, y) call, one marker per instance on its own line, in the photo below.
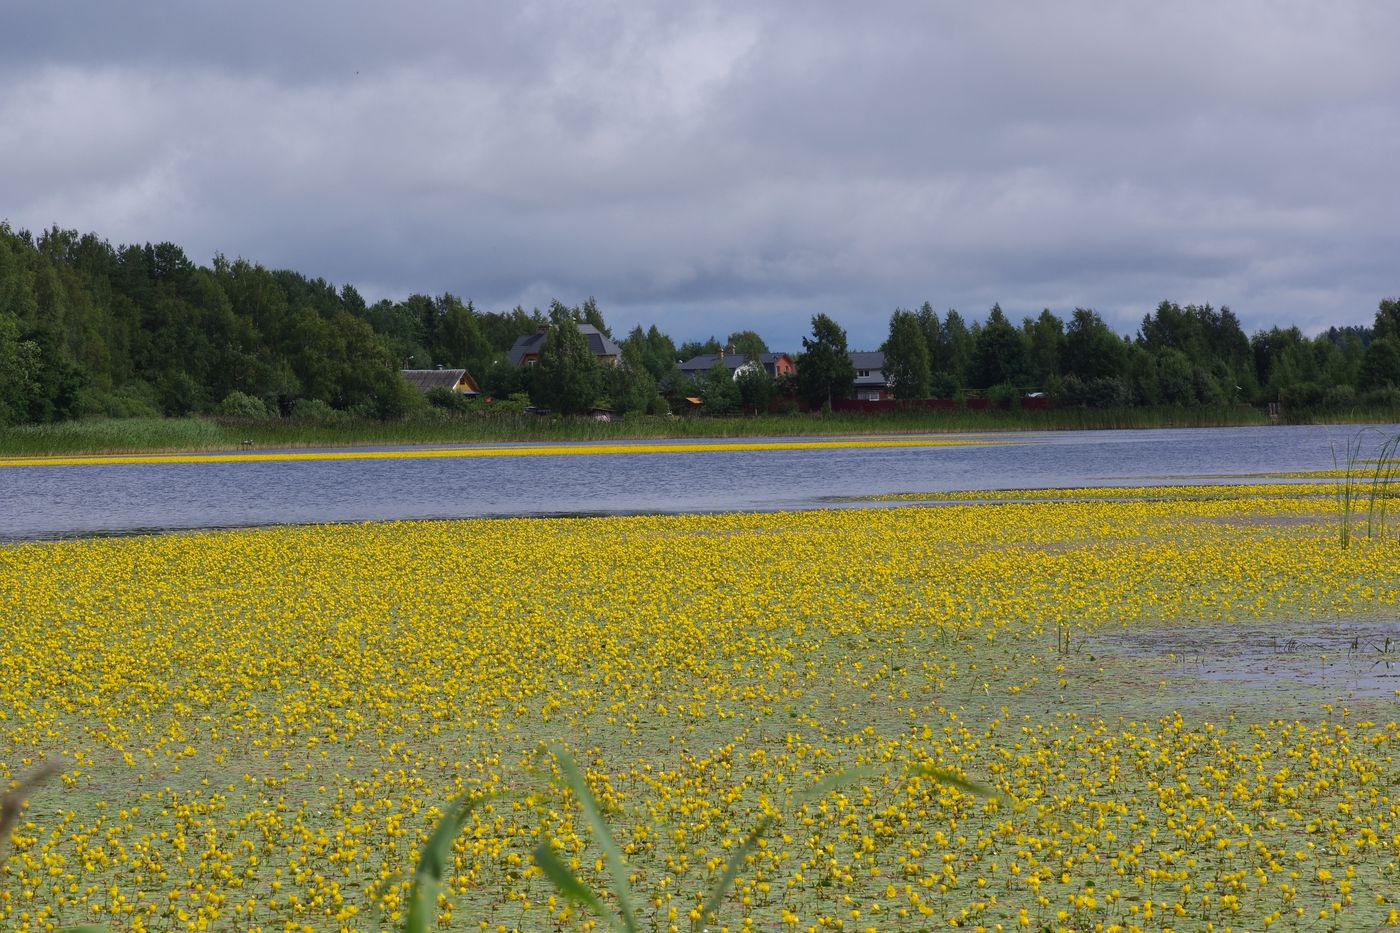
point(253, 727)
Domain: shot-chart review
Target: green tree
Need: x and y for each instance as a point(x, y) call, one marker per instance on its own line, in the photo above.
point(501, 329)
point(747, 344)
point(999, 354)
point(654, 350)
point(567, 378)
point(693, 348)
point(755, 387)
point(951, 354)
point(1045, 341)
point(824, 370)
point(590, 314)
point(906, 356)
point(1091, 349)
point(1175, 379)
point(630, 385)
point(1388, 319)
point(460, 341)
point(1380, 366)
point(718, 390)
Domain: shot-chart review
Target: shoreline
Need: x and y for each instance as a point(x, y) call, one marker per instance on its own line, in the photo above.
point(192, 435)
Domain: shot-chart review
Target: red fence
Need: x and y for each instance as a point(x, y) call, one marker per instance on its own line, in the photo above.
point(931, 404)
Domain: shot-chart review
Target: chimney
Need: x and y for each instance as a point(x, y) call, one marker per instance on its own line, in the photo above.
point(542, 329)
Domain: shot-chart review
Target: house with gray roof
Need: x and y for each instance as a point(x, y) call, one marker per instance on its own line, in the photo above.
point(871, 383)
point(774, 364)
point(526, 351)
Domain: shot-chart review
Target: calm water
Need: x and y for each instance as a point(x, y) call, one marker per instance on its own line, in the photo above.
point(47, 502)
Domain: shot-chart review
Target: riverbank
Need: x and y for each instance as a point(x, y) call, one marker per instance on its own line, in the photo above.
point(204, 434)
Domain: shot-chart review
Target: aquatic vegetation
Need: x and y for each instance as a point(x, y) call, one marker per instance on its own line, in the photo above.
point(114, 435)
point(258, 729)
point(1374, 478)
point(524, 450)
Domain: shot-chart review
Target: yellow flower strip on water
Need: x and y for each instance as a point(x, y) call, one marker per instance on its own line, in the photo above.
point(1361, 493)
point(521, 450)
point(258, 729)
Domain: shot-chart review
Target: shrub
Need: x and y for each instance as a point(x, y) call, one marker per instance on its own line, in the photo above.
point(1384, 397)
point(1004, 395)
point(136, 401)
point(241, 405)
point(448, 400)
point(313, 409)
point(1339, 398)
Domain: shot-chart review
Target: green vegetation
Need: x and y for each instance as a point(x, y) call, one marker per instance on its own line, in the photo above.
point(88, 329)
point(1367, 473)
point(824, 370)
point(132, 435)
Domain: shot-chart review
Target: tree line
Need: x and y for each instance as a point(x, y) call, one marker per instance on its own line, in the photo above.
point(1187, 356)
point(88, 328)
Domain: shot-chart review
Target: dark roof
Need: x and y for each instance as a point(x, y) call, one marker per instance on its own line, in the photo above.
point(529, 344)
point(871, 361)
point(426, 380)
point(868, 359)
point(732, 361)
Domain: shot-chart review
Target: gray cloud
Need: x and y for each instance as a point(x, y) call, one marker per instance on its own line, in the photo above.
point(721, 166)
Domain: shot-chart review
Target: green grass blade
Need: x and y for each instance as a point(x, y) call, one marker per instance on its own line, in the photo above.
point(944, 776)
point(731, 870)
point(432, 865)
point(568, 884)
point(617, 869)
point(837, 781)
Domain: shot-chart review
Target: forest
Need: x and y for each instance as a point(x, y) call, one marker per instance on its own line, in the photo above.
point(91, 329)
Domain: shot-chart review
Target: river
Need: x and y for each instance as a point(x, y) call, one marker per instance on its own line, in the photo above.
point(53, 501)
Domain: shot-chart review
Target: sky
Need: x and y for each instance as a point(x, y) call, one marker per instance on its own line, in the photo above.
point(711, 167)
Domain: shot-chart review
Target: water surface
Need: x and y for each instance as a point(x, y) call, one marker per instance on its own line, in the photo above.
point(61, 501)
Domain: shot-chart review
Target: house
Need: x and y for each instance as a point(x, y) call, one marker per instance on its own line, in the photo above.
point(526, 350)
point(453, 380)
point(871, 384)
point(774, 364)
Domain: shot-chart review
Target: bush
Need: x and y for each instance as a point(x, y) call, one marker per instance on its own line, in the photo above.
point(448, 400)
point(1004, 395)
point(658, 406)
point(1385, 397)
point(511, 406)
point(943, 385)
point(313, 409)
point(136, 401)
point(241, 405)
point(1099, 392)
point(1339, 398)
point(1303, 395)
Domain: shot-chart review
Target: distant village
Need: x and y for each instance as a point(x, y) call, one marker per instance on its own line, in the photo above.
point(93, 330)
point(868, 383)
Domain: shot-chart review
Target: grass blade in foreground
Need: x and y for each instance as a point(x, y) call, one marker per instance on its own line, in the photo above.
point(617, 869)
point(13, 801)
point(432, 865)
point(568, 884)
point(731, 871)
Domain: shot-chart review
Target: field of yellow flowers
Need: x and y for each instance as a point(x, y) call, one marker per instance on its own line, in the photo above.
point(258, 729)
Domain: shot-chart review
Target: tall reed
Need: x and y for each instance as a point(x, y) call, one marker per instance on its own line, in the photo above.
point(1377, 484)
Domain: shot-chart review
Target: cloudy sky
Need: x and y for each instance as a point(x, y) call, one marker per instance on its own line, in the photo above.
point(710, 167)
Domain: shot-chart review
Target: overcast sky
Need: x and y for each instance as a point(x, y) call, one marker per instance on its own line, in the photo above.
point(710, 167)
